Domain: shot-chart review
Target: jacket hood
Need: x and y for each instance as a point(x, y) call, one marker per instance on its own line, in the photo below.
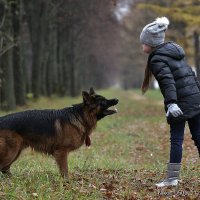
point(169, 49)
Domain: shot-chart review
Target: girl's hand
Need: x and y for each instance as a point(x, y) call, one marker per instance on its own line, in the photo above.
point(174, 110)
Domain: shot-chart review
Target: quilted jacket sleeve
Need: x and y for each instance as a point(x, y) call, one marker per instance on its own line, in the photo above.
point(164, 76)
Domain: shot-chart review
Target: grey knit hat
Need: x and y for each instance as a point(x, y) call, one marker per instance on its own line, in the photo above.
point(153, 34)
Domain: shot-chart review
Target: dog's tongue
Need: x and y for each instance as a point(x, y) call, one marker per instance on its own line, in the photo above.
point(87, 141)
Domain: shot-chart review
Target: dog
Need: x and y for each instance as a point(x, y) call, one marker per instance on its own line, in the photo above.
point(53, 132)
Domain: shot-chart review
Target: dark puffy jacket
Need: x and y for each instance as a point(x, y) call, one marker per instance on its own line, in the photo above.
point(176, 79)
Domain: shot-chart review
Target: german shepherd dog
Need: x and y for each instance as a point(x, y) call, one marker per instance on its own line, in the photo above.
point(54, 132)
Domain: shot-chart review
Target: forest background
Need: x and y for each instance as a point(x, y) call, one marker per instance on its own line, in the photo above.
point(60, 47)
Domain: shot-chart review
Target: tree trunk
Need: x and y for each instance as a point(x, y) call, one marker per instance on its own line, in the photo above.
point(71, 60)
point(52, 77)
point(8, 99)
point(44, 73)
point(18, 64)
point(36, 11)
point(60, 62)
point(8, 83)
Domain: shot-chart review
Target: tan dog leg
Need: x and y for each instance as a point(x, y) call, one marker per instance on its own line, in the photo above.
point(61, 159)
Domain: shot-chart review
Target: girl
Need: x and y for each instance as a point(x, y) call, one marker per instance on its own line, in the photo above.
point(179, 87)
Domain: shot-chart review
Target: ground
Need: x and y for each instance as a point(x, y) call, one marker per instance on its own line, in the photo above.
point(129, 154)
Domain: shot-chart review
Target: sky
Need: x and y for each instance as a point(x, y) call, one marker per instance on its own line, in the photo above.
point(123, 8)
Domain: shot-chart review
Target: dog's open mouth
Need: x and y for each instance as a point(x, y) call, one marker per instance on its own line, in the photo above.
point(110, 111)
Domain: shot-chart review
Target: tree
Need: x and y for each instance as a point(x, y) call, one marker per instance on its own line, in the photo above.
point(18, 64)
point(6, 64)
point(36, 12)
point(185, 16)
point(56, 47)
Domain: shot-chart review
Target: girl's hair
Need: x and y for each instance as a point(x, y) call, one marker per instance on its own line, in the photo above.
point(147, 79)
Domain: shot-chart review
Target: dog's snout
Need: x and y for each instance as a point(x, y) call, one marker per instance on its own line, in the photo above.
point(116, 101)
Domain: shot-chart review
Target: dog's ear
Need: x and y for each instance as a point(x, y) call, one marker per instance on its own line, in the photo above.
point(92, 92)
point(86, 97)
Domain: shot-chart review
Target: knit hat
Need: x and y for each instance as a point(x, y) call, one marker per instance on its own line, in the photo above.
point(153, 34)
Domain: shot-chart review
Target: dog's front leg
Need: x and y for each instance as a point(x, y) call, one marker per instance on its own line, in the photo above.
point(60, 156)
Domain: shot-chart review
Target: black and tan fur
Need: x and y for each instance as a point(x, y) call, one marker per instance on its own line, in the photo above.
point(54, 132)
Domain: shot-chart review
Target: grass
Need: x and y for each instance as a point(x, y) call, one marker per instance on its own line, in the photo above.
point(128, 156)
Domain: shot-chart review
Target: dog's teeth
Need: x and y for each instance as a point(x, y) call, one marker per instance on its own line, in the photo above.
point(115, 109)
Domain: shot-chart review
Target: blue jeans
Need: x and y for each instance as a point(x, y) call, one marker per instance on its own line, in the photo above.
point(177, 137)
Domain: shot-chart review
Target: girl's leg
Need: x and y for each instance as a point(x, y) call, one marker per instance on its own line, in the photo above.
point(174, 165)
point(194, 125)
point(176, 139)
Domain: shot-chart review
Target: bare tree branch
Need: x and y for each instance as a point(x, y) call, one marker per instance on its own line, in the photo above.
point(6, 49)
